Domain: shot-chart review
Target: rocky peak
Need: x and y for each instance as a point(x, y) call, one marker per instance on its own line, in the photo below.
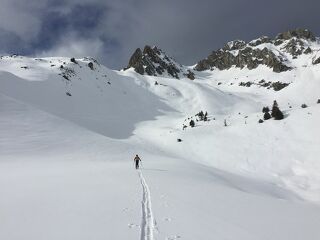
point(234, 45)
point(246, 57)
point(259, 41)
point(298, 33)
point(275, 54)
point(154, 62)
point(135, 60)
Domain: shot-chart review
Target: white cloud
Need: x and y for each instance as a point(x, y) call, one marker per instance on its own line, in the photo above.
point(21, 17)
point(71, 47)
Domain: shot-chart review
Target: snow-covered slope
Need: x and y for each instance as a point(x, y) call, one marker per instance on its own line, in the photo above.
point(69, 129)
point(97, 99)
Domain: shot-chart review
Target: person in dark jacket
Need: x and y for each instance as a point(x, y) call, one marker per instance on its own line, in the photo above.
point(137, 160)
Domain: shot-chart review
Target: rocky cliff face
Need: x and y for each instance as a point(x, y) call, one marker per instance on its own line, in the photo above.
point(154, 62)
point(275, 53)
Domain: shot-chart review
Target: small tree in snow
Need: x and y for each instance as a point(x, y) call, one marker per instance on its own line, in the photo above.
point(265, 109)
point(266, 116)
point(192, 123)
point(276, 112)
point(205, 118)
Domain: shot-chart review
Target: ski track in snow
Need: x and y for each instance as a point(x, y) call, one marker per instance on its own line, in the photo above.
point(147, 221)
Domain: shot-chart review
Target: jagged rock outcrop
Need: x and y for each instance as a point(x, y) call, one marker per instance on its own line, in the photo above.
point(259, 41)
point(262, 51)
point(136, 61)
point(298, 33)
point(154, 62)
point(190, 75)
point(316, 61)
point(246, 57)
point(234, 45)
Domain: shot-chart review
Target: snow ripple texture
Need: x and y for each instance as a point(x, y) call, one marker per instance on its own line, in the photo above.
point(147, 221)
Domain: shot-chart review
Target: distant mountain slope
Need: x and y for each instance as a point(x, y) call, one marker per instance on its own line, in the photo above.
point(288, 50)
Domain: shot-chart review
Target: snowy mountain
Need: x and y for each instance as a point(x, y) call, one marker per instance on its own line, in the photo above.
point(288, 50)
point(213, 167)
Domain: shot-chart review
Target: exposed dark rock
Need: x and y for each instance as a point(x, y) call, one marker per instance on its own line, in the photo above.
point(153, 61)
point(259, 41)
point(279, 67)
point(316, 61)
point(136, 61)
point(307, 51)
point(277, 86)
point(91, 59)
point(245, 84)
point(90, 65)
point(295, 47)
point(239, 54)
point(65, 77)
point(304, 105)
point(298, 33)
point(278, 42)
point(67, 73)
point(234, 45)
point(190, 75)
point(73, 60)
point(260, 121)
point(246, 57)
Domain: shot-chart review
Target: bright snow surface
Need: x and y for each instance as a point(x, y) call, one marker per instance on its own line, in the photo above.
point(66, 162)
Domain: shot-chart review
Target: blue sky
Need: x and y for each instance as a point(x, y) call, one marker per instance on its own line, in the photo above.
point(111, 30)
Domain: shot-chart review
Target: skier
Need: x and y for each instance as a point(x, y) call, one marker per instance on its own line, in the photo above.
point(137, 160)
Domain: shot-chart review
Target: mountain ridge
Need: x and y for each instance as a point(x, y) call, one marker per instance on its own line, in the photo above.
point(279, 54)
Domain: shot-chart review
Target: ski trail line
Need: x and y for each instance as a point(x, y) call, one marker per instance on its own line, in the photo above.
point(147, 221)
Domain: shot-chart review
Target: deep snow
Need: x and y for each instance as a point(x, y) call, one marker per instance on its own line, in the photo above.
point(67, 172)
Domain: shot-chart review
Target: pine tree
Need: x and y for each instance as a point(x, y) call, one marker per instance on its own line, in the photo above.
point(276, 112)
point(192, 123)
point(265, 109)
